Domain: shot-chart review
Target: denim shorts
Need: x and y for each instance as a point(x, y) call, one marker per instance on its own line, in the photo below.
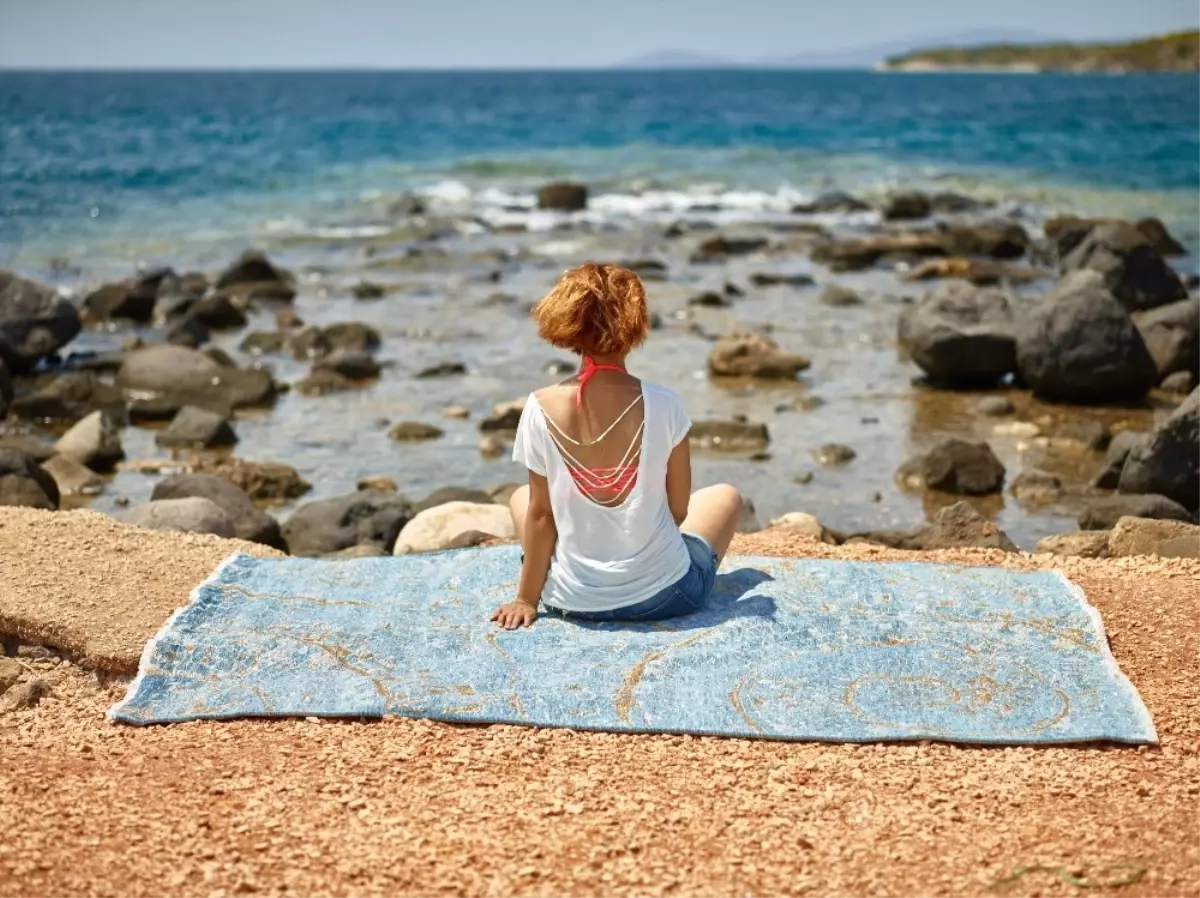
point(685, 595)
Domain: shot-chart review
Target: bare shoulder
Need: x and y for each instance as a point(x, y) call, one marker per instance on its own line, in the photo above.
point(556, 397)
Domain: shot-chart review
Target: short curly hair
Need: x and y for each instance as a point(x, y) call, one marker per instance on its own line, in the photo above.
point(595, 309)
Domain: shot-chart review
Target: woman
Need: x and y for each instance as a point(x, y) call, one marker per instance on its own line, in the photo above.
point(609, 525)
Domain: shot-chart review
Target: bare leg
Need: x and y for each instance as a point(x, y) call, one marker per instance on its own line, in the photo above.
point(518, 507)
point(713, 513)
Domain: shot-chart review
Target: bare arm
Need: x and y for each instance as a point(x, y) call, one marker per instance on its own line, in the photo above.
point(679, 480)
point(538, 534)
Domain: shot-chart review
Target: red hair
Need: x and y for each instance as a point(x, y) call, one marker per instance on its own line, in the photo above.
point(595, 309)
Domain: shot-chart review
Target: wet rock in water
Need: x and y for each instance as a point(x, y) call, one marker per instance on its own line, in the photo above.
point(778, 278)
point(961, 335)
point(646, 269)
point(72, 478)
point(167, 369)
point(286, 318)
point(459, 412)
point(1166, 539)
point(188, 332)
point(964, 467)
point(1086, 544)
point(955, 203)
point(753, 355)
point(379, 483)
point(349, 364)
point(263, 481)
point(709, 299)
point(31, 444)
point(981, 272)
point(960, 525)
point(1180, 383)
point(1172, 336)
point(994, 406)
point(316, 342)
point(94, 441)
point(906, 205)
point(1168, 461)
point(253, 274)
point(435, 528)
point(1103, 514)
point(1129, 265)
point(1080, 345)
point(35, 322)
point(834, 454)
point(804, 479)
point(1067, 232)
point(729, 435)
point(249, 521)
point(129, 300)
point(197, 428)
point(220, 356)
point(1091, 436)
point(505, 416)
point(719, 247)
point(218, 312)
point(831, 201)
point(367, 290)
point(837, 296)
point(1000, 241)
point(193, 514)
point(443, 369)
point(1034, 488)
point(331, 525)
point(803, 524)
point(27, 695)
point(452, 494)
point(24, 483)
point(732, 289)
point(6, 390)
point(856, 254)
point(748, 519)
point(414, 431)
point(492, 446)
point(263, 342)
point(323, 381)
point(566, 196)
point(1114, 458)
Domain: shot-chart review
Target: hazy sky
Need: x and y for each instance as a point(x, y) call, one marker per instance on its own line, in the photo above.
point(516, 33)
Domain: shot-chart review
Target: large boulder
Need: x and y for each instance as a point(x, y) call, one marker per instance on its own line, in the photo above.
point(1067, 232)
point(564, 195)
point(960, 466)
point(69, 397)
point(24, 483)
point(1085, 544)
point(961, 335)
point(436, 528)
point(249, 521)
point(167, 369)
point(753, 355)
point(1168, 463)
point(331, 525)
point(906, 204)
point(1006, 240)
point(960, 525)
point(1079, 344)
point(1172, 336)
point(1118, 451)
point(34, 322)
point(178, 375)
point(132, 300)
point(1103, 514)
point(193, 514)
point(252, 267)
point(1143, 536)
point(317, 342)
point(95, 441)
point(72, 478)
point(1130, 266)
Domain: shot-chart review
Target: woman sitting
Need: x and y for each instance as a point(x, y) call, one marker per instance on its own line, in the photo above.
point(609, 525)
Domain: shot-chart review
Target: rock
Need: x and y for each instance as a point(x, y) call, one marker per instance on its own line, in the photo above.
point(72, 478)
point(856, 254)
point(252, 268)
point(443, 369)
point(1168, 462)
point(1079, 345)
point(564, 195)
point(1129, 266)
point(1086, 544)
point(249, 521)
point(492, 446)
point(834, 454)
point(349, 364)
point(1172, 336)
point(193, 514)
point(263, 481)
point(24, 483)
point(197, 428)
point(729, 435)
point(961, 525)
point(434, 528)
point(719, 247)
point(1114, 459)
point(778, 278)
point(323, 381)
point(452, 494)
point(1034, 487)
point(459, 412)
point(646, 269)
point(748, 519)
point(1091, 436)
point(94, 441)
point(505, 416)
point(502, 493)
point(709, 299)
point(804, 479)
point(980, 272)
point(1166, 539)
point(10, 672)
point(413, 431)
point(263, 342)
point(34, 322)
point(331, 525)
point(176, 376)
point(188, 332)
point(906, 204)
point(6, 390)
point(131, 300)
point(804, 525)
point(1103, 514)
point(27, 695)
point(1180, 383)
point(838, 296)
point(218, 312)
point(753, 355)
point(961, 335)
point(831, 201)
point(994, 406)
point(367, 290)
point(352, 336)
point(286, 318)
point(1067, 232)
point(1002, 241)
point(955, 203)
point(963, 467)
point(167, 369)
point(406, 206)
point(378, 483)
point(1160, 238)
point(68, 397)
point(468, 539)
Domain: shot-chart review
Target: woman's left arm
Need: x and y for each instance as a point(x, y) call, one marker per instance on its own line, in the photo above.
point(541, 533)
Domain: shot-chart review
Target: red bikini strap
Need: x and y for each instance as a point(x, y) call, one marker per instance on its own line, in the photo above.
point(587, 371)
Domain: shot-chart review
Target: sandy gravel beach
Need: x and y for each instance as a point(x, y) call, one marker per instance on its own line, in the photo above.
point(418, 808)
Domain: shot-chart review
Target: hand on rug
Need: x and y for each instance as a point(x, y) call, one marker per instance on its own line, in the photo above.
point(514, 615)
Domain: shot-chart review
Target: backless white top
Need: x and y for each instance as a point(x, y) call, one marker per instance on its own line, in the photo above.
point(610, 557)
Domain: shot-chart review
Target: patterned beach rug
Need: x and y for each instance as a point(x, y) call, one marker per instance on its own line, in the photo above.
point(801, 649)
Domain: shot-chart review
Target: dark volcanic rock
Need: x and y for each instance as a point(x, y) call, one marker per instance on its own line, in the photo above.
point(350, 364)
point(34, 322)
point(132, 300)
point(6, 389)
point(68, 397)
point(961, 335)
point(831, 201)
point(1103, 514)
point(180, 376)
point(193, 514)
point(249, 521)
point(443, 369)
point(907, 204)
point(1000, 241)
point(961, 466)
point(1130, 266)
point(188, 332)
point(24, 483)
point(331, 525)
point(1080, 345)
point(778, 278)
point(197, 428)
point(253, 267)
point(1172, 335)
point(1168, 462)
point(720, 247)
point(1114, 458)
point(564, 195)
point(218, 312)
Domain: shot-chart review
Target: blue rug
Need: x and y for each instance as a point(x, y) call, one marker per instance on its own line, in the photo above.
point(788, 649)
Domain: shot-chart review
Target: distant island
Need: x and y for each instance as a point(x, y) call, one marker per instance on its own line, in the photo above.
point(1178, 52)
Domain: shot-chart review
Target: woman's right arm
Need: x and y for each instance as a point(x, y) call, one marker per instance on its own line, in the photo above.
point(679, 480)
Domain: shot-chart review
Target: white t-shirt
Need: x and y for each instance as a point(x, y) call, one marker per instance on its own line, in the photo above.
point(608, 558)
